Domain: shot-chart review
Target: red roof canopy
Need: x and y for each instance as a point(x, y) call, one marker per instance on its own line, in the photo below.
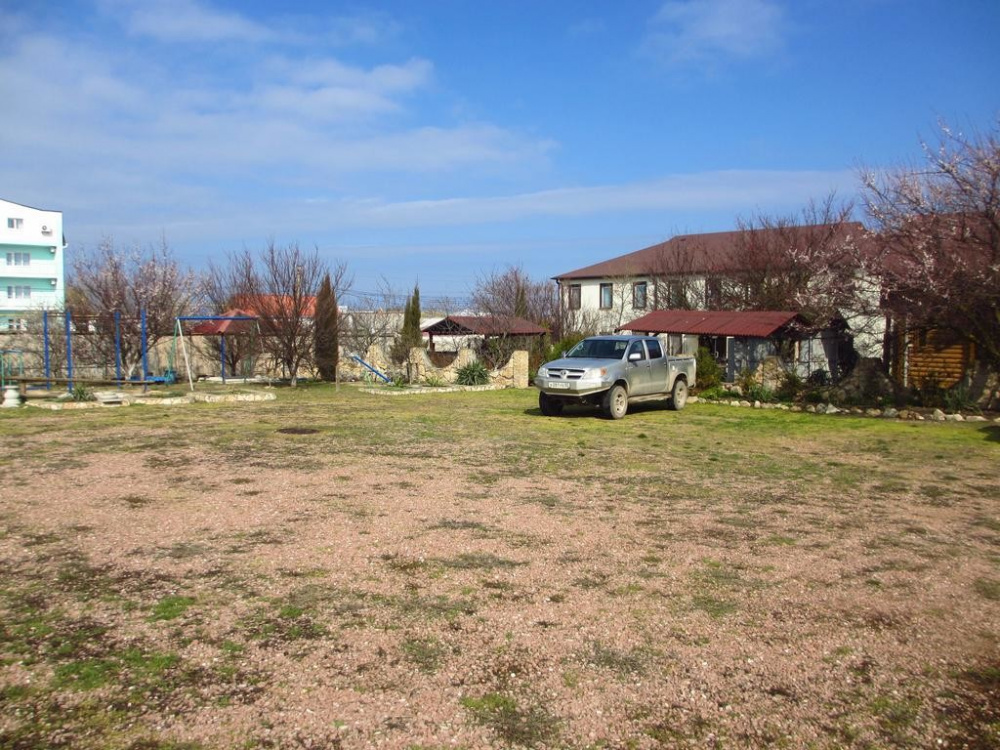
point(484, 325)
point(750, 323)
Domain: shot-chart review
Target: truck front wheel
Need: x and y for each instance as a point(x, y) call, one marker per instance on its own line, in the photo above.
point(550, 407)
point(615, 402)
point(679, 394)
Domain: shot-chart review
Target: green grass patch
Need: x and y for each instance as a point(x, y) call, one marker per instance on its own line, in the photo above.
point(171, 607)
point(512, 723)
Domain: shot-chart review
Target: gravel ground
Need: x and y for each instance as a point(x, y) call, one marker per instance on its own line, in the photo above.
point(168, 588)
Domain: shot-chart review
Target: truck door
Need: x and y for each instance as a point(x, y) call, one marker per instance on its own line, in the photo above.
point(638, 369)
point(657, 367)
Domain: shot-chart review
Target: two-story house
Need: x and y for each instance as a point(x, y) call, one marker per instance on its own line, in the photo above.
point(31, 262)
point(766, 269)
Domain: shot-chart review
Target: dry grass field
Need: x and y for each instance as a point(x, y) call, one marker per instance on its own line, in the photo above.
point(340, 570)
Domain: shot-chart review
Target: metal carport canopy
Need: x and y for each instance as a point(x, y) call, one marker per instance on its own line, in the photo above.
point(749, 323)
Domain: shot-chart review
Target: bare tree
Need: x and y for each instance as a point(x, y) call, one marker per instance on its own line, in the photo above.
point(374, 320)
point(938, 246)
point(511, 293)
point(805, 263)
point(674, 275)
point(128, 281)
point(281, 283)
point(223, 289)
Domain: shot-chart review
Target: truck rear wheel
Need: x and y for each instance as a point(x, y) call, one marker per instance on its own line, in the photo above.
point(550, 407)
point(615, 402)
point(679, 394)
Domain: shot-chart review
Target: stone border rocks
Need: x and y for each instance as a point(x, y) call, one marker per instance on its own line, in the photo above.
point(910, 415)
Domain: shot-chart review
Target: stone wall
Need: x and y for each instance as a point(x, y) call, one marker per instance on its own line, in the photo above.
point(513, 374)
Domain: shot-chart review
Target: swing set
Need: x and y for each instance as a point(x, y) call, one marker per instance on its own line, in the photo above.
point(12, 361)
point(215, 325)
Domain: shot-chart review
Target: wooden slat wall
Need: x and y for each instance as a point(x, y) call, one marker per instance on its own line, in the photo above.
point(946, 362)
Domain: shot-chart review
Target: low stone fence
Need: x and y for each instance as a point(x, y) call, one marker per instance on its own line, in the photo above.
point(420, 369)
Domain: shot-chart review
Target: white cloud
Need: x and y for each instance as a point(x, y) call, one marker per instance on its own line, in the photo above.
point(186, 21)
point(731, 190)
point(714, 32)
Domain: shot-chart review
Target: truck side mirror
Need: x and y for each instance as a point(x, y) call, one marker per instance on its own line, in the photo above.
point(635, 356)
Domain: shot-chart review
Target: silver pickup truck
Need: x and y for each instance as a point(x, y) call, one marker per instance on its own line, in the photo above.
point(612, 372)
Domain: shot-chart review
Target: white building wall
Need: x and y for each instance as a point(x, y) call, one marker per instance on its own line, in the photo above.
point(622, 310)
point(37, 235)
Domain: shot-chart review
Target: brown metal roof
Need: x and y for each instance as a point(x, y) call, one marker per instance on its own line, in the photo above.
point(484, 325)
point(712, 253)
point(751, 323)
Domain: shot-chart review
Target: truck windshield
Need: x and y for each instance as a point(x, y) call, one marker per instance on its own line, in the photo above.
point(599, 349)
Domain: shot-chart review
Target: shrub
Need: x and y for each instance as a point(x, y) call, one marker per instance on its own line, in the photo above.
point(82, 393)
point(958, 398)
point(708, 372)
point(556, 349)
point(758, 392)
point(746, 380)
point(474, 373)
point(929, 391)
point(434, 381)
point(714, 393)
point(791, 386)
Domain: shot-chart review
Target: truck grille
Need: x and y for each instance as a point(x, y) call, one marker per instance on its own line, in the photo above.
point(566, 374)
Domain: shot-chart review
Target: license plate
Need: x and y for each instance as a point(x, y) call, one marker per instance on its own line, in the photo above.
point(559, 385)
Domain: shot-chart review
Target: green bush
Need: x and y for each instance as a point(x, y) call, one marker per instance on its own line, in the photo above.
point(474, 373)
point(746, 381)
point(791, 386)
point(708, 373)
point(555, 351)
point(930, 393)
point(82, 393)
point(758, 392)
point(434, 381)
point(715, 393)
point(958, 398)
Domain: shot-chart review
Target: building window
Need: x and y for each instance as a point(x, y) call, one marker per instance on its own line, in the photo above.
point(18, 259)
point(639, 295)
point(17, 324)
point(607, 295)
point(676, 295)
point(574, 296)
point(15, 223)
point(19, 292)
point(713, 294)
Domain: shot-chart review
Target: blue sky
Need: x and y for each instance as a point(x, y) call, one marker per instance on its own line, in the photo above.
point(435, 141)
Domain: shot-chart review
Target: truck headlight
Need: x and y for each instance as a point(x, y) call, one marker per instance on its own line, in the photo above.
point(542, 372)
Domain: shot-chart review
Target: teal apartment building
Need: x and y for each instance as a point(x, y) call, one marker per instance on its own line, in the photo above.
point(31, 263)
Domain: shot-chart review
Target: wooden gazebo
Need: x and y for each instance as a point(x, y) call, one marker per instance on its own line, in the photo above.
point(487, 326)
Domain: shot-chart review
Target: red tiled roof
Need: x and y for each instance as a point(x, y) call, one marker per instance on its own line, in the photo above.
point(275, 304)
point(224, 327)
point(756, 324)
point(715, 252)
point(484, 325)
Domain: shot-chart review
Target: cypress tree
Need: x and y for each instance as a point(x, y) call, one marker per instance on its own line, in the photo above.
point(410, 336)
point(326, 335)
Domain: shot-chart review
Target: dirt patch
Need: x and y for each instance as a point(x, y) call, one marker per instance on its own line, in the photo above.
point(460, 571)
